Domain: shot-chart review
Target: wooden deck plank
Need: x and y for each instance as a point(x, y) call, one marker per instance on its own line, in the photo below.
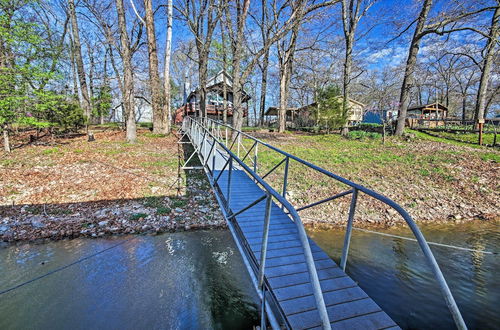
point(301, 290)
point(296, 268)
point(301, 278)
point(377, 320)
point(293, 259)
point(336, 313)
point(259, 228)
point(307, 303)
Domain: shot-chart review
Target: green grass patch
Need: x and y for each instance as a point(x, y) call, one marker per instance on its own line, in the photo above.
point(145, 125)
point(179, 203)
point(171, 163)
point(163, 210)
point(154, 135)
point(52, 151)
point(153, 201)
point(7, 162)
point(491, 156)
point(137, 216)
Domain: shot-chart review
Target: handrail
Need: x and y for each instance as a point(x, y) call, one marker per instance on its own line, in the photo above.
point(318, 294)
point(445, 290)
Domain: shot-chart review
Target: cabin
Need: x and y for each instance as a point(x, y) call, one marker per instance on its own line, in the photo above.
point(429, 115)
point(305, 116)
point(214, 103)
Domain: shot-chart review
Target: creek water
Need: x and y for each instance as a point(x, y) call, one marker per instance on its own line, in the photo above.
point(191, 280)
point(197, 280)
point(395, 274)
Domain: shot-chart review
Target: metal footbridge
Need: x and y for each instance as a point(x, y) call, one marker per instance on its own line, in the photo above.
point(299, 285)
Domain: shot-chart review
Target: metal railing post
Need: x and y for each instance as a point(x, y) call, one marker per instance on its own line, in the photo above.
point(285, 178)
point(263, 310)
point(348, 232)
point(239, 142)
point(255, 158)
point(229, 181)
point(213, 160)
point(265, 235)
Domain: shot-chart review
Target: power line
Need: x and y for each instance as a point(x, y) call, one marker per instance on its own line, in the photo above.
point(430, 243)
point(66, 266)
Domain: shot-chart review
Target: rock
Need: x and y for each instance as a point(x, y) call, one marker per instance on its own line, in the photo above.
point(392, 211)
point(3, 229)
point(102, 213)
point(145, 227)
point(103, 223)
point(37, 224)
point(178, 210)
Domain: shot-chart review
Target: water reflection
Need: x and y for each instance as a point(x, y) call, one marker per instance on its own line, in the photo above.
point(173, 281)
point(395, 274)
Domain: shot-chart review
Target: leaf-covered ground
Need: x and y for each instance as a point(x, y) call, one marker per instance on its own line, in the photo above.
point(432, 180)
point(67, 187)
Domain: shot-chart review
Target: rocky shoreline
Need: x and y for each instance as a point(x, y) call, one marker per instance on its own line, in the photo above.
point(126, 218)
point(150, 215)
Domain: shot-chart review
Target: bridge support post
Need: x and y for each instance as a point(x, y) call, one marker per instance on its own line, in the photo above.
point(348, 232)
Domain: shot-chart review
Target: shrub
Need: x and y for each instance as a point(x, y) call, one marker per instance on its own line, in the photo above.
point(359, 135)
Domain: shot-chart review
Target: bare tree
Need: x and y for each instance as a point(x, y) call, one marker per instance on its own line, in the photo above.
point(352, 12)
point(423, 28)
point(235, 21)
point(202, 17)
point(166, 71)
point(489, 52)
point(128, 78)
point(159, 116)
point(77, 51)
point(265, 32)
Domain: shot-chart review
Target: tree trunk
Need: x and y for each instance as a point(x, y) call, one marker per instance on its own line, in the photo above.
point(203, 77)
point(489, 52)
point(6, 141)
point(106, 84)
point(349, 40)
point(224, 70)
point(166, 69)
point(128, 79)
point(285, 75)
point(464, 105)
point(263, 87)
point(91, 79)
point(79, 62)
point(238, 112)
point(404, 99)
point(154, 77)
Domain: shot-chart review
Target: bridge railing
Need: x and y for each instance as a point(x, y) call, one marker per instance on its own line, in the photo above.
point(208, 144)
point(244, 147)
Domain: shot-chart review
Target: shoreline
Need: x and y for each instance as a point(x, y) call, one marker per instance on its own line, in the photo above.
point(50, 230)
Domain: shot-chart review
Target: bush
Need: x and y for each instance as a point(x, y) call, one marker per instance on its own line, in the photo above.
point(360, 135)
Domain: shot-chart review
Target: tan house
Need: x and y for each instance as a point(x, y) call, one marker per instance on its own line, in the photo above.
point(305, 116)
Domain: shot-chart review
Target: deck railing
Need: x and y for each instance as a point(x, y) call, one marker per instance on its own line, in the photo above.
point(212, 137)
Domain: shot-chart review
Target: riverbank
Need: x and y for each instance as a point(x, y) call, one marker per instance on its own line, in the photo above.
point(433, 180)
point(68, 187)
